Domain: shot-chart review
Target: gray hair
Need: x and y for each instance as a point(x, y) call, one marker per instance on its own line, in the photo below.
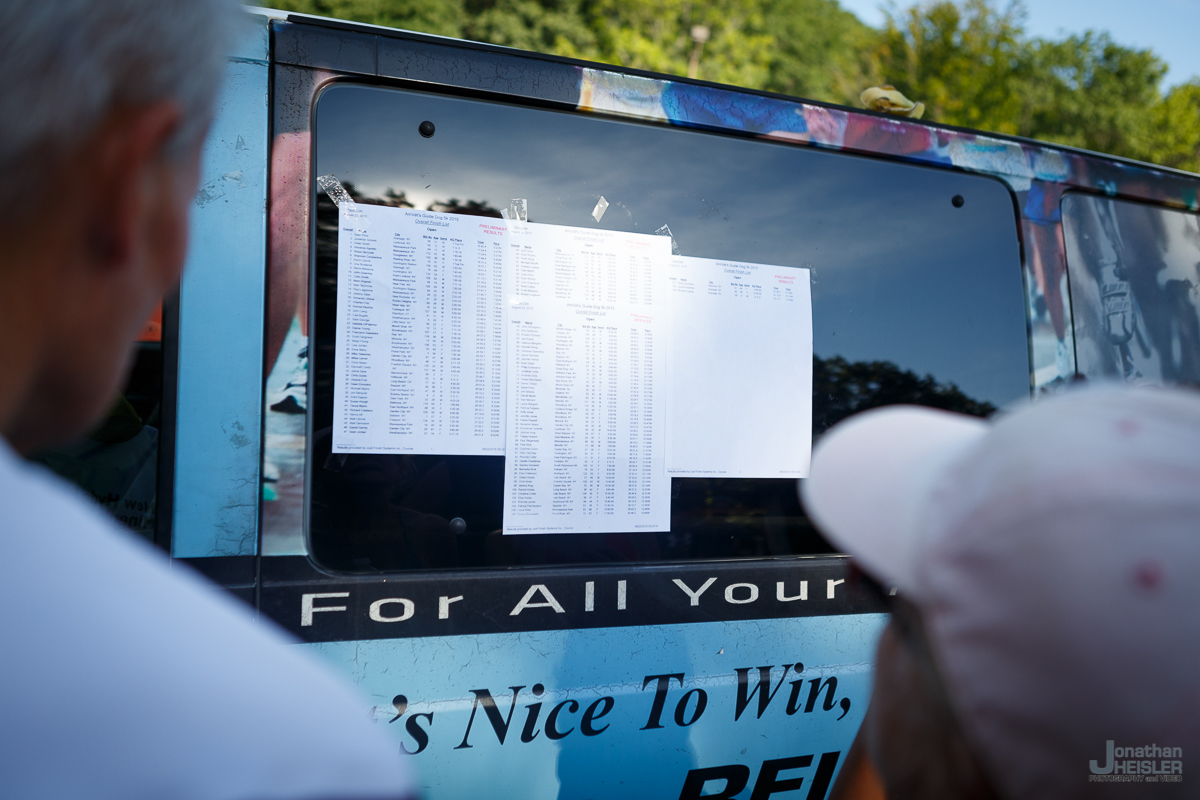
point(66, 63)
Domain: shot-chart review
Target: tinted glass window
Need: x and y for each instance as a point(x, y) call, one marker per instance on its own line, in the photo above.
point(1135, 289)
point(117, 463)
point(916, 296)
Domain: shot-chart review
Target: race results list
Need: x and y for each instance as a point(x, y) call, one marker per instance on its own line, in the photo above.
point(596, 362)
point(586, 385)
point(419, 333)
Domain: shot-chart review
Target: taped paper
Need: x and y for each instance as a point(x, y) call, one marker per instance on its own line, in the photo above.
point(750, 324)
point(586, 354)
point(420, 332)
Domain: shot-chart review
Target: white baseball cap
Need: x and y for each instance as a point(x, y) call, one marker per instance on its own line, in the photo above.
point(1054, 555)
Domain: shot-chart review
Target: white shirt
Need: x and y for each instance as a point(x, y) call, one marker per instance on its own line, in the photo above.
point(124, 677)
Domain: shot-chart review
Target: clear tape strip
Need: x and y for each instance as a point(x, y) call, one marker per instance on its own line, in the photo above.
point(518, 210)
point(333, 187)
point(601, 207)
point(666, 231)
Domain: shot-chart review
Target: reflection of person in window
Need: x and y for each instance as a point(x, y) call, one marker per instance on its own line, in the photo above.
point(116, 464)
point(1043, 229)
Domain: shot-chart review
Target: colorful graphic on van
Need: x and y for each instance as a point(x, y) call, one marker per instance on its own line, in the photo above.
point(1037, 174)
point(1135, 282)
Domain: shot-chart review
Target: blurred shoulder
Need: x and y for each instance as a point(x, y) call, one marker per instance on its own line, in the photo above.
point(129, 675)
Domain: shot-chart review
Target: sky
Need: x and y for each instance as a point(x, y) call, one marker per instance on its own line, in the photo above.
point(1168, 27)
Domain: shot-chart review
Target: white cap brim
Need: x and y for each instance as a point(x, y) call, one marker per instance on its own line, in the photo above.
point(872, 478)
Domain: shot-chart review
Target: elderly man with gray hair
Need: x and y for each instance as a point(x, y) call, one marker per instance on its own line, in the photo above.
point(122, 677)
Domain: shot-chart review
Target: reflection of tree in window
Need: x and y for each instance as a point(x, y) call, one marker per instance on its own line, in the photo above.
point(842, 388)
point(327, 214)
point(472, 208)
point(394, 199)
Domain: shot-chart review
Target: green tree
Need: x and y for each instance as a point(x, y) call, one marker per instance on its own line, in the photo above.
point(821, 51)
point(734, 47)
point(967, 63)
point(1088, 91)
point(842, 388)
point(807, 48)
point(1174, 139)
point(546, 26)
point(443, 17)
point(972, 64)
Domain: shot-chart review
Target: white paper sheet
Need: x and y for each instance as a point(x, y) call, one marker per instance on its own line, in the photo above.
point(586, 390)
point(420, 333)
point(741, 370)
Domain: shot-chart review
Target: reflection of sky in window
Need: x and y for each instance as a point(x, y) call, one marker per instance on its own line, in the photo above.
point(899, 274)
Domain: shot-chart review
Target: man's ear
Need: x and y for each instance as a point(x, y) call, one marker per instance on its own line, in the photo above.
point(129, 162)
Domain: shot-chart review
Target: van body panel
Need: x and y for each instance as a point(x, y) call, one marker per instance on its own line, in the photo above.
point(465, 668)
point(221, 308)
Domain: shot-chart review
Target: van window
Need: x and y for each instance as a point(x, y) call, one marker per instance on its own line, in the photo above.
point(117, 463)
point(916, 291)
point(1135, 289)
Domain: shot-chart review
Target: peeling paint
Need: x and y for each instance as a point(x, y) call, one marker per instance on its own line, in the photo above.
point(236, 433)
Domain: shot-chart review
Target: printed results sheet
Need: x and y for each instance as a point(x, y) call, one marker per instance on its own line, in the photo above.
point(587, 370)
point(598, 362)
point(419, 353)
point(741, 370)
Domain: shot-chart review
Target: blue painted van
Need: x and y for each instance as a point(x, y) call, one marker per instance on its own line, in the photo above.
point(724, 651)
